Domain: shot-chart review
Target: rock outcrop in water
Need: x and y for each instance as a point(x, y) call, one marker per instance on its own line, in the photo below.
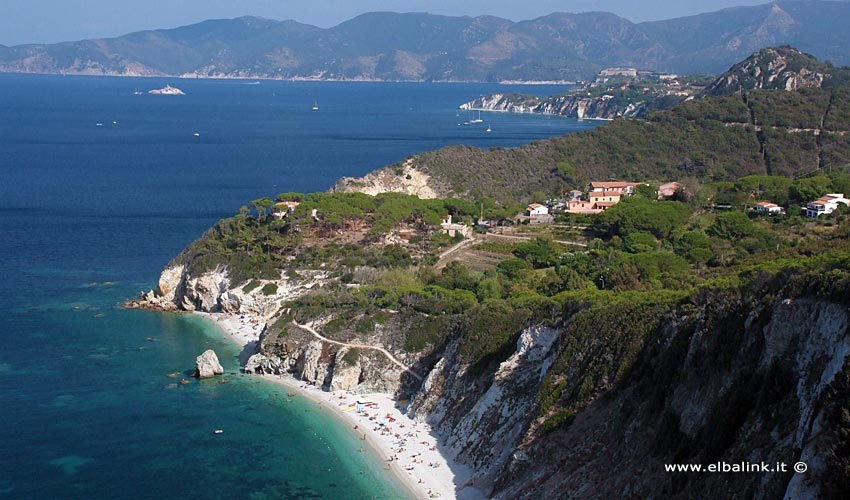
point(207, 365)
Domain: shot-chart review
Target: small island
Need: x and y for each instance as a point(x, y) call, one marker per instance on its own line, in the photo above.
point(167, 90)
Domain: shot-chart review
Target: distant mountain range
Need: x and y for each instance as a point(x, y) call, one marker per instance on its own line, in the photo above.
point(425, 47)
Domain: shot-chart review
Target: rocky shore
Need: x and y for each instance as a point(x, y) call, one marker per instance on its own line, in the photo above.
point(570, 106)
point(484, 428)
point(409, 446)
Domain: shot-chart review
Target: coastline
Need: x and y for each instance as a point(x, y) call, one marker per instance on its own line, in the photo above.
point(268, 78)
point(408, 448)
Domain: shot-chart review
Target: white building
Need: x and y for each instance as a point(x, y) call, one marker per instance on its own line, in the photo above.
point(621, 187)
point(826, 204)
point(628, 72)
point(455, 228)
point(537, 209)
point(769, 208)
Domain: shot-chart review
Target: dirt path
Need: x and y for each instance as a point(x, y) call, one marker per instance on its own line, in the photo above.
point(359, 346)
point(442, 259)
point(526, 238)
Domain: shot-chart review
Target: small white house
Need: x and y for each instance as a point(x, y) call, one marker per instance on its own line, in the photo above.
point(826, 204)
point(537, 209)
point(455, 228)
point(769, 208)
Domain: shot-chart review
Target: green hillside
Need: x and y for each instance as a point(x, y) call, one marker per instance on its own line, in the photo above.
point(712, 139)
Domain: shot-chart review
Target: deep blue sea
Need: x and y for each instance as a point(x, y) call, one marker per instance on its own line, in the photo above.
point(99, 189)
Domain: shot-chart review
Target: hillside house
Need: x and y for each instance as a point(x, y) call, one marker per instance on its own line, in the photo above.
point(582, 207)
point(624, 188)
point(600, 196)
point(455, 228)
point(825, 205)
point(284, 208)
point(536, 209)
point(535, 214)
point(575, 195)
point(606, 197)
point(769, 208)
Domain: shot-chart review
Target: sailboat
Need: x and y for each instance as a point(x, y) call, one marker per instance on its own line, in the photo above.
point(488, 128)
point(477, 120)
point(315, 105)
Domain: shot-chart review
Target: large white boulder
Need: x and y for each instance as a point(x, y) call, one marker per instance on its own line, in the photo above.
point(208, 365)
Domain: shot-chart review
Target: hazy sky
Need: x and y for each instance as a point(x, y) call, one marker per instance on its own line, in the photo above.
point(45, 21)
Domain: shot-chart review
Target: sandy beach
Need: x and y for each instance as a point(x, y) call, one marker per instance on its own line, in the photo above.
point(408, 448)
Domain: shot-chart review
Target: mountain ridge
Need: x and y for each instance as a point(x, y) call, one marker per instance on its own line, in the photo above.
point(426, 47)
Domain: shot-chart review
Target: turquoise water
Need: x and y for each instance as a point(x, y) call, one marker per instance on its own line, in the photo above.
point(89, 215)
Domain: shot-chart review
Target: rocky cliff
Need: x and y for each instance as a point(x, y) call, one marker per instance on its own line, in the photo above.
point(402, 178)
point(777, 68)
point(721, 376)
point(571, 106)
point(181, 289)
point(594, 403)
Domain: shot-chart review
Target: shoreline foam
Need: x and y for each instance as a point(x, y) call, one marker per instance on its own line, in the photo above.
point(409, 448)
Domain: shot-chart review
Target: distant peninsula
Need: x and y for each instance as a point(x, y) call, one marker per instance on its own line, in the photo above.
point(386, 46)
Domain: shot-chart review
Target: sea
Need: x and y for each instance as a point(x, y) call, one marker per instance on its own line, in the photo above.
point(101, 185)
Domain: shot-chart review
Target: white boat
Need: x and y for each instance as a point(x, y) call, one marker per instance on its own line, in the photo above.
point(315, 105)
point(477, 120)
point(167, 90)
point(196, 134)
point(488, 128)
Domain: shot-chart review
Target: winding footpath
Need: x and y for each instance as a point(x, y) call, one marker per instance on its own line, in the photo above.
point(528, 238)
point(442, 259)
point(359, 346)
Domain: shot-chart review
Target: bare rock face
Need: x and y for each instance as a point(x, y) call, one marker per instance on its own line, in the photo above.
point(169, 282)
point(572, 106)
point(202, 293)
point(313, 365)
point(401, 179)
point(207, 365)
point(261, 364)
point(484, 430)
point(347, 370)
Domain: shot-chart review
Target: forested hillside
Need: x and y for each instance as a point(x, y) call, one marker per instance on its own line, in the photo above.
point(719, 138)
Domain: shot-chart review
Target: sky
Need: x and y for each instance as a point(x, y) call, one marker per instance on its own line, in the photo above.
point(49, 21)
